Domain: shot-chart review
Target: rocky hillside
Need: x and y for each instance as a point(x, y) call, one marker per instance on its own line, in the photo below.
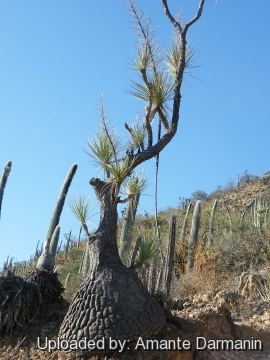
point(220, 307)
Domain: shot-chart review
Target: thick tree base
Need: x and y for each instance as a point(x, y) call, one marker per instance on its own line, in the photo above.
point(113, 304)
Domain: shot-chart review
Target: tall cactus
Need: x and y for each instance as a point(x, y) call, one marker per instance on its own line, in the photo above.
point(259, 208)
point(54, 241)
point(3, 182)
point(67, 280)
point(193, 239)
point(61, 201)
point(210, 235)
point(133, 188)
point(128, 223)
point(46, 260)
point(168, 273)
point(183, 230)
point(84, 266)
point(229, 215)
point(67, 245)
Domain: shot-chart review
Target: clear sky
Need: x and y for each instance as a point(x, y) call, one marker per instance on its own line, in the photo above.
point(57, 57)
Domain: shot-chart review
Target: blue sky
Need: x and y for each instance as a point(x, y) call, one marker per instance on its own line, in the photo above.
point(57, 57)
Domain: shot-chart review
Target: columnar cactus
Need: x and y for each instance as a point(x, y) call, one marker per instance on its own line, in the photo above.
point(85, 261)
point(182, 234)
point(128, 223)
point(229, 215)
point(46, 261)
point(61, 201)
point(3, 182)
point(210, 235)
point(67, 280)
point(260, 207)
point(133, 187)
point(193, 239)
point(54, 241)
point(67, 245)
point(168, 273)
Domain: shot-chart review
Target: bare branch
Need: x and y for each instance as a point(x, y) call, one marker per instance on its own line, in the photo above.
point(196, 17)
point(130, 197)
point(175, 23)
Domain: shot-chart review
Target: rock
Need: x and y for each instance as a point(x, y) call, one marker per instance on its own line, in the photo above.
point(230, 298)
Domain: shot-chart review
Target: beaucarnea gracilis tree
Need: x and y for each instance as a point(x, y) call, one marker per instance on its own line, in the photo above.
point(111, 300)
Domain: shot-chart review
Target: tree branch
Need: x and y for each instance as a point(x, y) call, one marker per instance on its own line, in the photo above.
point(130, 197)
point(196, 17)
point(175, 23)
point(155, 149)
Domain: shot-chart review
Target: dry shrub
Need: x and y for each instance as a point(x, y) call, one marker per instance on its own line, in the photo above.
point(197, 282)
point(207, 276)
point(241, 252)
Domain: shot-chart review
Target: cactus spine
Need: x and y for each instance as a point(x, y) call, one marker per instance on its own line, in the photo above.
point(193, 239)
point(3, 181)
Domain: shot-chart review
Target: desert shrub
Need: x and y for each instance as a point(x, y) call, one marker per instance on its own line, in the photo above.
point(198, 195)
point(230, 186)
point(248, 178)
point(198, 281)
point(241, 251)
point(218, 193)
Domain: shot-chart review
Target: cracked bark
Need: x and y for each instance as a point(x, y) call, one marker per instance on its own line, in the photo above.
point(111, 301)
